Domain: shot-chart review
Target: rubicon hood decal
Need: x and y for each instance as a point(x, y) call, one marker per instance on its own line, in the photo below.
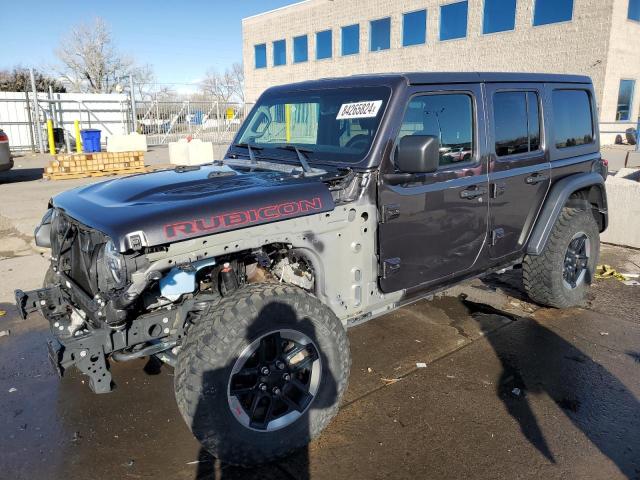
point(169, 206)
point(241, 218)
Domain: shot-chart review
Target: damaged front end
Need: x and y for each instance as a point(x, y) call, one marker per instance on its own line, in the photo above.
point(114, 291)
point(102, 304)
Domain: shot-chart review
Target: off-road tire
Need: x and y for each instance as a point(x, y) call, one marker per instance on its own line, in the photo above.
point(543, 274)
point(213, 344)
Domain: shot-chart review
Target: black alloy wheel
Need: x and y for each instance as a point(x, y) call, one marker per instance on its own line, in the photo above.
point(274, 380)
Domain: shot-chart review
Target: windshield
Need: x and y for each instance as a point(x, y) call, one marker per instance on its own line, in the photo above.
point(335, 125)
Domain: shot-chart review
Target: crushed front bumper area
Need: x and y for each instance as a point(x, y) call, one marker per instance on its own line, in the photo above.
point(88, 346)
point(85, 350)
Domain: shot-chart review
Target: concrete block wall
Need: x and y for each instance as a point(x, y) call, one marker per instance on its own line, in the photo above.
point(599, 41)
point(579, 46)
point(623, 192)
point(623, 62)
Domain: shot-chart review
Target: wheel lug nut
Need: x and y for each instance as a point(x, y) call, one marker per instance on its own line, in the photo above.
point(264, 371)
point(280, 365)
point(262, 387)
point(276, 391)
point(286, 377)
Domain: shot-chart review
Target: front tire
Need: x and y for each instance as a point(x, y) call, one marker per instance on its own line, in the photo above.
point(561, 276)
point(262, 373)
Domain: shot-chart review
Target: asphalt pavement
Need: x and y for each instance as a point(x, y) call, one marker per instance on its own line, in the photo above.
point(478, 383)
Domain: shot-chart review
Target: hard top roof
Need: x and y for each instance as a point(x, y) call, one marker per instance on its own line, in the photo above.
point(431, 78)
point(417, 78)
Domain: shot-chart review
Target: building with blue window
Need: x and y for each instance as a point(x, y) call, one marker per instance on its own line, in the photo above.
point(323, 38)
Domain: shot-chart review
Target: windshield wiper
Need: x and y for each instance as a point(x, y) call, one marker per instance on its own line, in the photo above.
point(302, 158)
point(250, 148)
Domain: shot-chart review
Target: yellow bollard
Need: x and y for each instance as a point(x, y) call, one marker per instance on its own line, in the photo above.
point(52, 145)
point(287, 120)
point(76, 126)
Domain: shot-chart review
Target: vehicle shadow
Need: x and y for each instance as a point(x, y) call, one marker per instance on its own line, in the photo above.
point(510, 282)
point(535, 361)
point(296, 465)
point(17, 175)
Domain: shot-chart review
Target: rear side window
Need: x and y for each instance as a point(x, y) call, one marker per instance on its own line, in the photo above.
point(572, 118)
point(448, 117)
point(517, 122)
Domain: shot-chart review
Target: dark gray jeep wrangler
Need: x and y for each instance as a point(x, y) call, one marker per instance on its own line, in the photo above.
point(339, 201)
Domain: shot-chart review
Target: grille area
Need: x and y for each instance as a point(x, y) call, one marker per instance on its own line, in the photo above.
point(75, 247)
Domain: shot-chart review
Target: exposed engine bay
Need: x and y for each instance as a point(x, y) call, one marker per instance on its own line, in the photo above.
point(117, 295)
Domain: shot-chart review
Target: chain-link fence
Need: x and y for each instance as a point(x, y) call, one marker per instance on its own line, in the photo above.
point(165, 119)
point(163, 114)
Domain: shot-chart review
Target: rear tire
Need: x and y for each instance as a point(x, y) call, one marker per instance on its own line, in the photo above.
point(550, 278)
point(220, 347)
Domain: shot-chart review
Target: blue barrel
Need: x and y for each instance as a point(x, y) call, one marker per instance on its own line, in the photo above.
point(90, 140)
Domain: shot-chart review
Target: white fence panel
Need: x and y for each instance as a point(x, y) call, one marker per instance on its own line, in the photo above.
point(110, 113)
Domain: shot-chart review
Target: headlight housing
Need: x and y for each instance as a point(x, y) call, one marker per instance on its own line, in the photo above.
point(114, 261)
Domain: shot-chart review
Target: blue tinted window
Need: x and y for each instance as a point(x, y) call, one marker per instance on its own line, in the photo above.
point(260, 52)
point(380, 38)
point(279, 52)
point(324, 42)
point(351, 39)
point(300, 49)
point(517, 124)
point(449, 118)
point(572, 120)
point(414, 28)
point(453, 20)
point(625, 100)
point(552, 11)
point(499, 15)
point(634, 10)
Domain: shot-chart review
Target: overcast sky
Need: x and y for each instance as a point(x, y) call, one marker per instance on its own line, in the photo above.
point(181, 39)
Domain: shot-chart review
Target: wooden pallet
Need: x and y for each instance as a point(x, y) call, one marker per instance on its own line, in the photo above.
point(98, 164)
point(71, 176)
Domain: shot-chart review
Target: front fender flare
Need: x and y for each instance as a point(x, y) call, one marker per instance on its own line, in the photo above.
point(557, 198)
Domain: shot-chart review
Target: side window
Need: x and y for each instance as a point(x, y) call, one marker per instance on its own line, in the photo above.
point(572, 120)
point(448, 117)
point(517, 122)
point(625, 100)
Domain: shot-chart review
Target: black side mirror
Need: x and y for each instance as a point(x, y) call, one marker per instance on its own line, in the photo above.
point(418, 154)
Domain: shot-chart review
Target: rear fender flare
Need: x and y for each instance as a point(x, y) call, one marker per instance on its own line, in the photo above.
point(558, 198)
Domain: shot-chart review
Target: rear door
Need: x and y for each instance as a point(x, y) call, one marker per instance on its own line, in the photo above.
point(519, 168)
point(434, 225)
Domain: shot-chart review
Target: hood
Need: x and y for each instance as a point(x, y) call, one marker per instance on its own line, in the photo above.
point(172, 205)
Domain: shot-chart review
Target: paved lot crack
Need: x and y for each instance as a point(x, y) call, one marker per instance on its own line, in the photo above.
point(19, 243)
point(414, 370)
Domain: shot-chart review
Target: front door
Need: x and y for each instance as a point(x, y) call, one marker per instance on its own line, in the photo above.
point(434, 225)
point(519, 169)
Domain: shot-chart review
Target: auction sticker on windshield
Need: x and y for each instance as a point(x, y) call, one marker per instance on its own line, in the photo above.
point(359, 110)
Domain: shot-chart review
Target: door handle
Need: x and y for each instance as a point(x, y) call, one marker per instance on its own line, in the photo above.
point(536, 178)
point(472, 192)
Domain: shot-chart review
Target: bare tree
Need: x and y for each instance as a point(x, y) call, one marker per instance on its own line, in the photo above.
point(214, 85)
point(143, 79)
point(90, 62)
point(235, 78)
point(225, 87)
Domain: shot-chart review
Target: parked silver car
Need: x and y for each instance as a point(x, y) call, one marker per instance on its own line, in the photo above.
point(6, 162)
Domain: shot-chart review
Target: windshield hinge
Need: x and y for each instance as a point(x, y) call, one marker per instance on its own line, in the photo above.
point(390, 266)
point(389, 212)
